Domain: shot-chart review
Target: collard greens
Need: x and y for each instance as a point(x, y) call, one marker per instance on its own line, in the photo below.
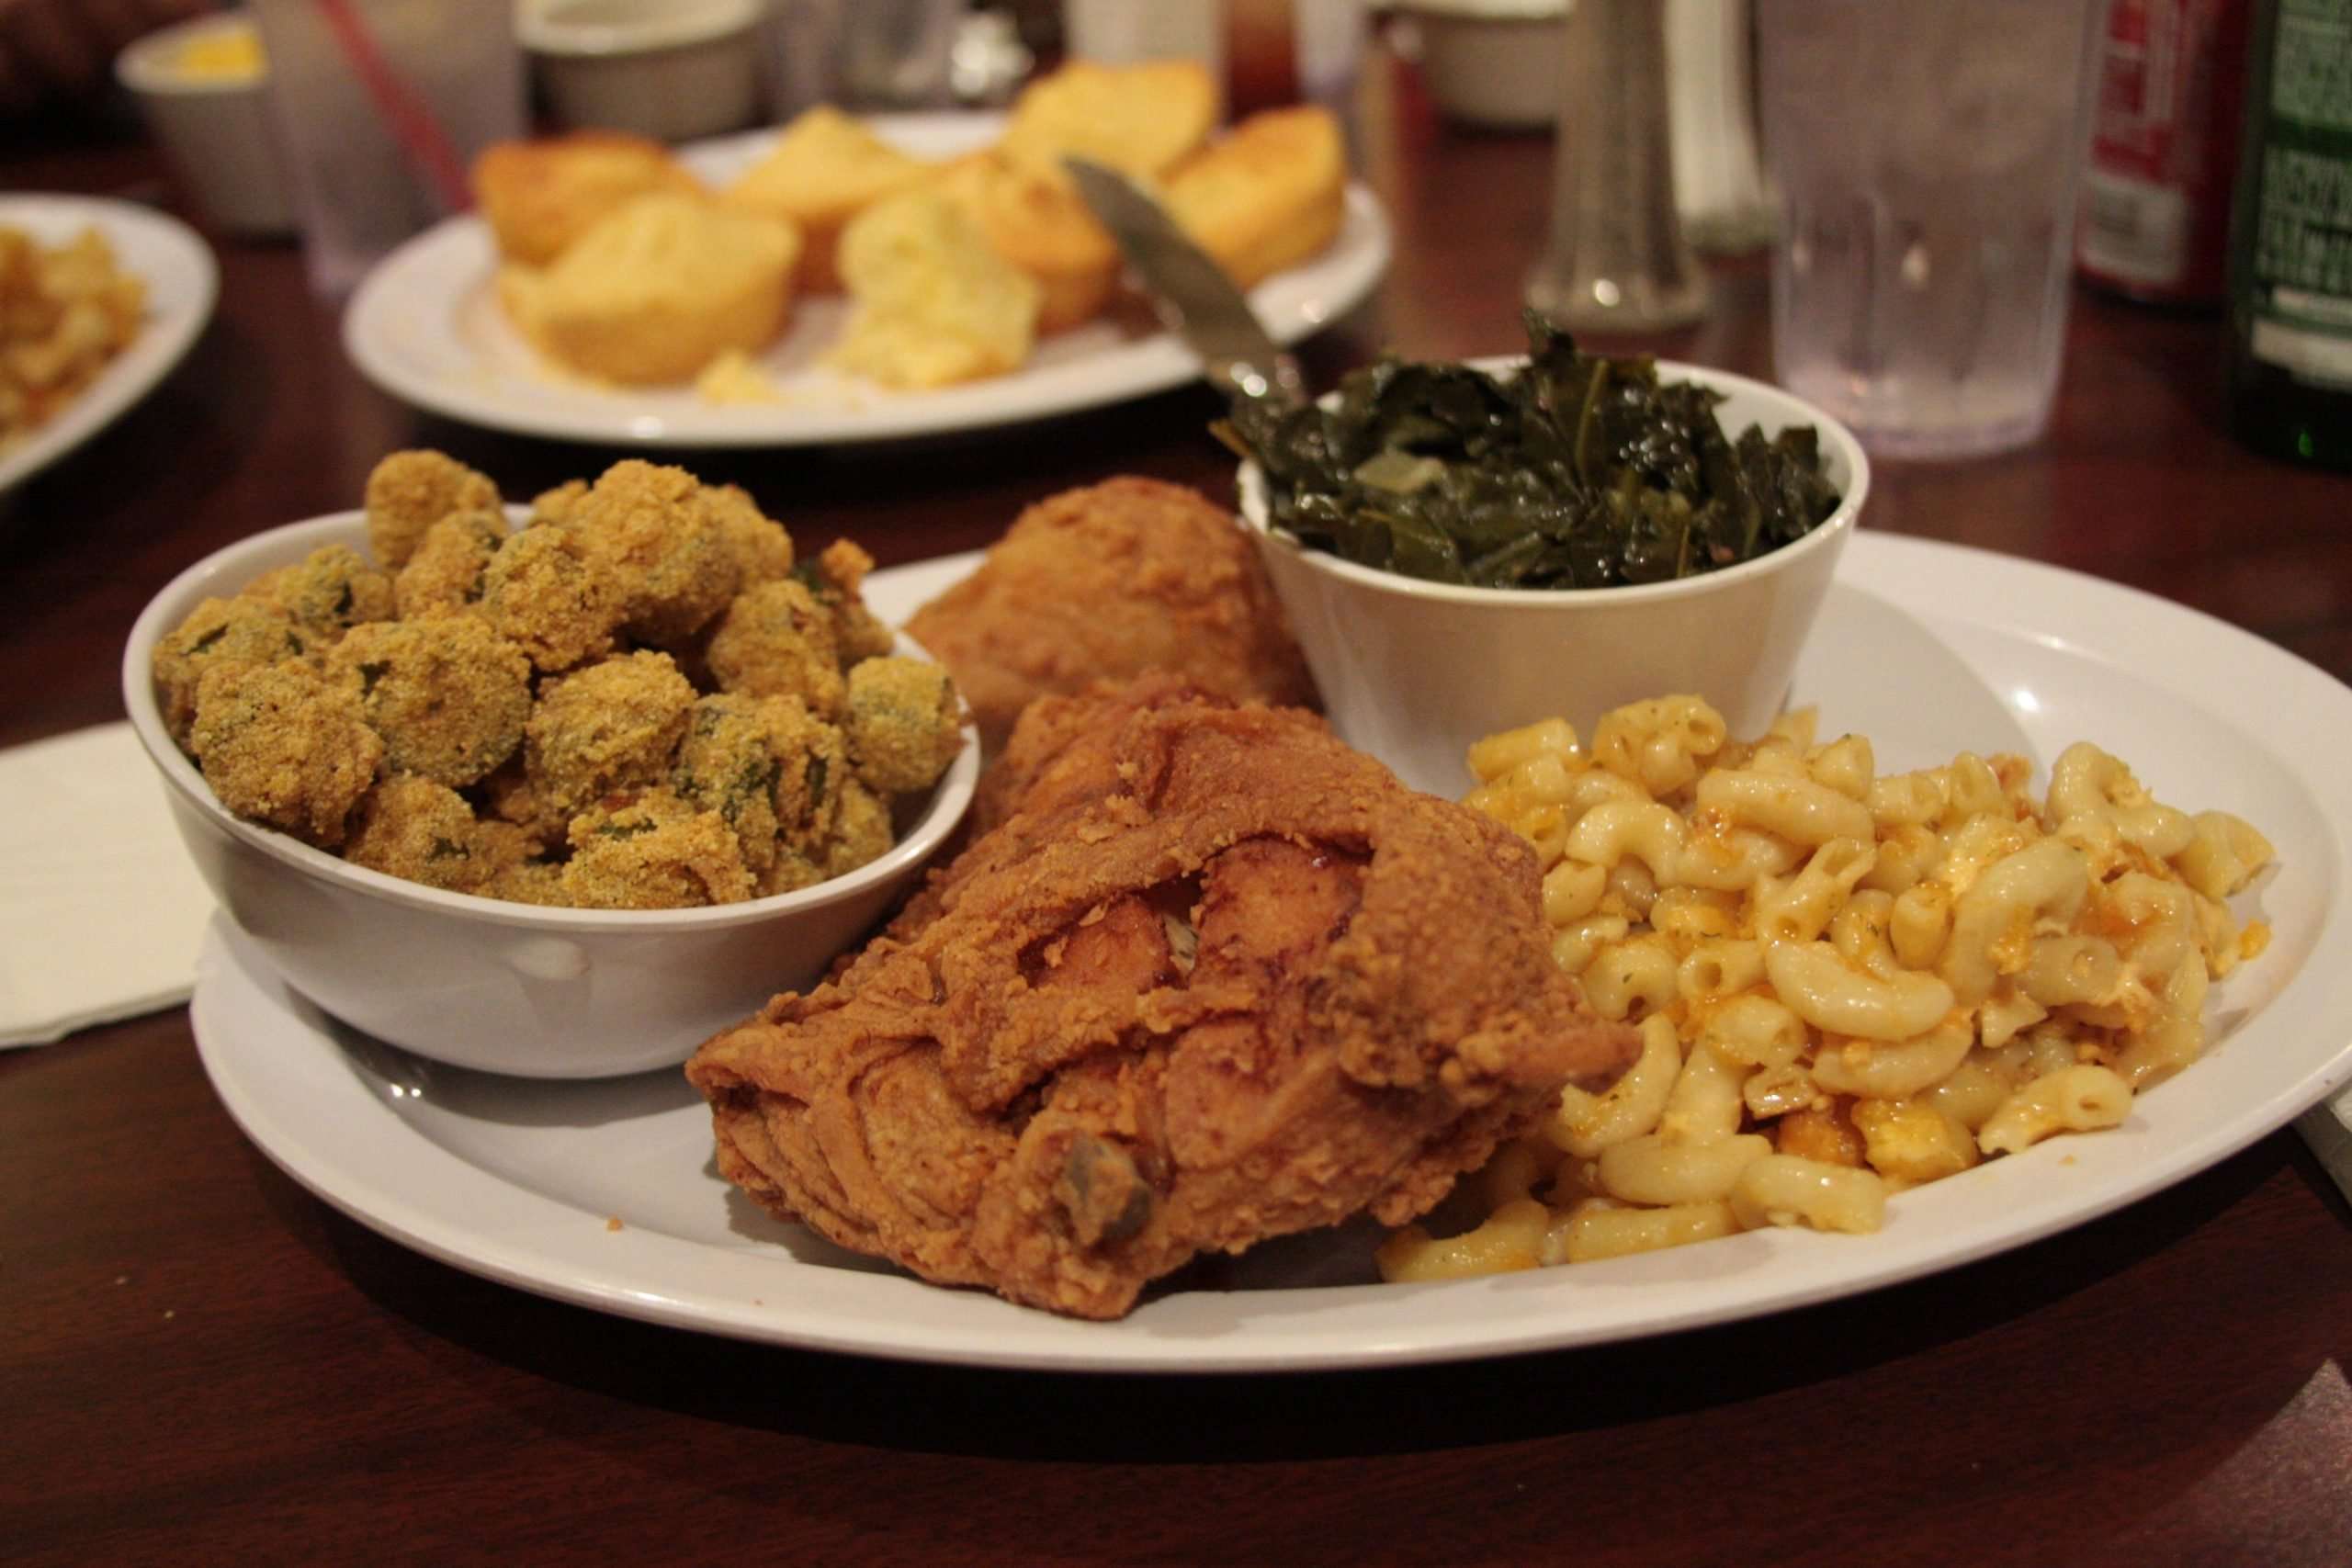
point(1580, 471)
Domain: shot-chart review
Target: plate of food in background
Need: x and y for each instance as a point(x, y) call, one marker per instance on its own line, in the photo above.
point(98, 300)
point(852, 278)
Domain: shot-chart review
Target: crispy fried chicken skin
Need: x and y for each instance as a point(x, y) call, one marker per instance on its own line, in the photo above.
point(1214, 979)
point(1107, 582)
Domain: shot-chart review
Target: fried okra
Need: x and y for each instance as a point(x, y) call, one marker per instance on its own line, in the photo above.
point(904, 722)
point(837, 577)
point(328, 591)
point(445, 573)
point(768, 767)
point(448, 695)
point(775, 640)
point(527, 881)
point(218, 633)
point(641, 699)
point(553, 596)
point(412, 828)
point(861, 829)
point(653, 851)
point(283, 746)
point(666, 547)
point(611, 729)
point(552, 506)
point(761, 545)
point(410, 491)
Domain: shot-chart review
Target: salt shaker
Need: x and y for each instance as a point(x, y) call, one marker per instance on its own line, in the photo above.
point(1718, 172)
point(1617, 259)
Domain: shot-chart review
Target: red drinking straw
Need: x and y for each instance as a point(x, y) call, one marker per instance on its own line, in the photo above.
point(403, 110)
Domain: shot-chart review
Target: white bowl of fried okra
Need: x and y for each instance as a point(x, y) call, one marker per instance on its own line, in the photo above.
point(555, 790)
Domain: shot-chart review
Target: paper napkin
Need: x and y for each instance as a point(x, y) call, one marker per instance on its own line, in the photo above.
point(100, 910)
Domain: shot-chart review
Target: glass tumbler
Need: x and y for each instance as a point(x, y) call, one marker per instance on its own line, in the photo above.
point(1927, 159)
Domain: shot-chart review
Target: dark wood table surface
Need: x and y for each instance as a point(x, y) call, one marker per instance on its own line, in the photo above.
point(201, 1363)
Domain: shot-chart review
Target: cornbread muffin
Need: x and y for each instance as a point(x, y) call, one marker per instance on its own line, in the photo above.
point(1266, 196)
point(1037, 222)
point(540, 195)
point(657, 289)
point(935, 302)
point(1140, 117)
point(823, 171)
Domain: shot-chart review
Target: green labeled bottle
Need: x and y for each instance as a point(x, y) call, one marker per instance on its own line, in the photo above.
point(2290, 237)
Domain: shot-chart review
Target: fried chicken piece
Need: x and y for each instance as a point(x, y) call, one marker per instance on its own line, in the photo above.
point(283, 746)
point(448, 695)
point(1022, 772)
point(1223, 980)
point(1109, 581)
point(409, 491)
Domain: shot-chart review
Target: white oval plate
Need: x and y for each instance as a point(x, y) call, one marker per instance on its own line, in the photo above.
point(425, 326)
point(183, 282)
point(605, 1194)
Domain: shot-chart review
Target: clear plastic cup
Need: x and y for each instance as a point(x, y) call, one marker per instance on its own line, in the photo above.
point(1927, 159)
point(380, 106)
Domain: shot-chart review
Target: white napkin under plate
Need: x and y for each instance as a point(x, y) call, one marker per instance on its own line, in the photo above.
point(2327, 1128)
point(100, 910)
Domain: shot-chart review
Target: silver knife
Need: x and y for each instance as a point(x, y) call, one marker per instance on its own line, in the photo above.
point(1190, 292)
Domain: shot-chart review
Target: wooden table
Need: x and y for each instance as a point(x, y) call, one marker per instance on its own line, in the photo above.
point(201, 1363)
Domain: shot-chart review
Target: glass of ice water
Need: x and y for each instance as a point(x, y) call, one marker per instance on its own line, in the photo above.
point(1926, 158)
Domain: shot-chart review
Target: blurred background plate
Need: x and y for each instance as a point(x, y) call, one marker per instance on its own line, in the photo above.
point(426, 327)
point(182, 283)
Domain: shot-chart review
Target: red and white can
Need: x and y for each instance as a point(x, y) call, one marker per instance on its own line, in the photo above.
point(2155, 207)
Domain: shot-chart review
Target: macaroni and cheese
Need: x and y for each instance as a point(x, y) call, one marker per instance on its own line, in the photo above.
point(1846, 983)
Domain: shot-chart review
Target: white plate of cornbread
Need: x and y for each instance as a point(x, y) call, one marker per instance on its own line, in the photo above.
point(849, 278)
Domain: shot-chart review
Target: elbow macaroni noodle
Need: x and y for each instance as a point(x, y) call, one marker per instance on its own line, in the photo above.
point(1845, 984)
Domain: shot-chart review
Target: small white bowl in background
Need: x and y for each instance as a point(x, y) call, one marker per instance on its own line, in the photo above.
point(210, 114)
point(672, 70)
point(550, 993)
point(1491, 63)
point(1414, 671)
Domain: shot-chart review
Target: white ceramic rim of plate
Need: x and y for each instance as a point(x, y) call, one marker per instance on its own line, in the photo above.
point(235, 564)
point(1293, 305)
point(183, 284)
point(426, 1197)
point(1837, 442)
point(543, 30)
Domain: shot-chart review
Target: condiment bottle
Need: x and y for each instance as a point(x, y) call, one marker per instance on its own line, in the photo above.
point(2290, 238)
point(2156, 180)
